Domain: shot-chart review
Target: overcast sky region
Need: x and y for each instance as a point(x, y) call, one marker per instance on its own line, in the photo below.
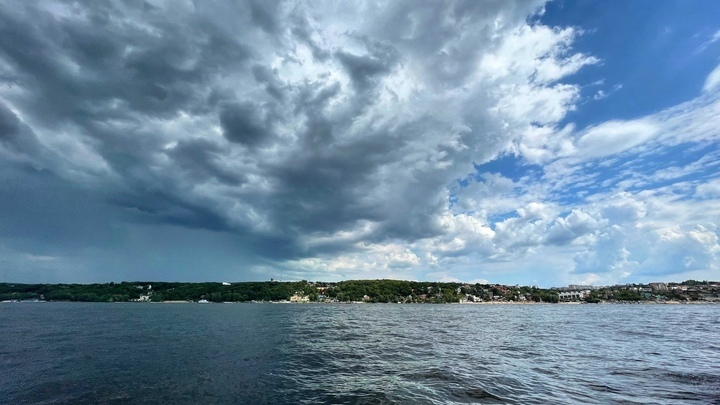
point(515, 142)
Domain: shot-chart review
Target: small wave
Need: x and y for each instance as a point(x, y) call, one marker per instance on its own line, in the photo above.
point(433, 374)
point(603, 388)
point(477, 393)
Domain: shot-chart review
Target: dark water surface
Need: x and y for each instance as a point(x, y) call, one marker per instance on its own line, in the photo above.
point(54, 353)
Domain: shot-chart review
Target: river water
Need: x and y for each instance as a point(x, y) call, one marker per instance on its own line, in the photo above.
point(75, 353)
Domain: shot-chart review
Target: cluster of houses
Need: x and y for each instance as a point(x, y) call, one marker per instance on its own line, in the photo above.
point(699, 292)
point(299, 297)
point(702, 291)
point(658, 292)
point(147, 296)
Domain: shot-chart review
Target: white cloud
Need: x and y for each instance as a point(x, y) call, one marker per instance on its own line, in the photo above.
point(577, 224)
point(713, 38)
point(601, 94)
point(674, 251)
point(711, 189)
point(622, 208)
point(536, 52)
point(613, 137)
point(712, 83)
point(388, 260)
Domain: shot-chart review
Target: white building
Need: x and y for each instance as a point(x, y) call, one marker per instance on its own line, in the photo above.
point(573, 295)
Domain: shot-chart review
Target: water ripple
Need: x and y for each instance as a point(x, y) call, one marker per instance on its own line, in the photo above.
point(359, 354)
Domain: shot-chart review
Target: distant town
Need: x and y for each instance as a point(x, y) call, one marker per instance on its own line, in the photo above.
point(362, 291)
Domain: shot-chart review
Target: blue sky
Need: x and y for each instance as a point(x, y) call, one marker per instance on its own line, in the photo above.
point(518, 142)
point(660, 53)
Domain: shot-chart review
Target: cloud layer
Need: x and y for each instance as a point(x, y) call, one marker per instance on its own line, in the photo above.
point(332, 141)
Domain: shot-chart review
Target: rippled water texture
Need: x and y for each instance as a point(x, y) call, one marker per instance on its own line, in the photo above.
point(281, 353)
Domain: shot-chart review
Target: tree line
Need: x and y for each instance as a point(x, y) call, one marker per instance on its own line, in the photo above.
point(344, 291)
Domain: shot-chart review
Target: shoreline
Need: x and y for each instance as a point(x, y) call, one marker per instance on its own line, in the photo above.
point(394, 303)
point(442, 303)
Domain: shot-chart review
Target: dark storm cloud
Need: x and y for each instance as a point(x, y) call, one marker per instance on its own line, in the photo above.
point(323, 191)
point(265, 14)
point(85, 67)
point(333, 186)
point(269, 77)
point(245, 123)
point(303, 33)
point(14, 134)
point(164, 206)
point(107, 66)
point(213, 116)
point(365, 69)
point(200, 159)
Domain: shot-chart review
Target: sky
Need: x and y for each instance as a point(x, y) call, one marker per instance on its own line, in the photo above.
point(514, 142)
